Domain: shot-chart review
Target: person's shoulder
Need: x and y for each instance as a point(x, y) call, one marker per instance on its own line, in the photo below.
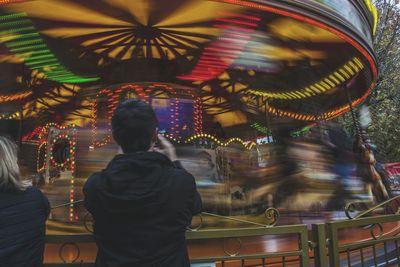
point(35, 195)
point(93, 178)
point(182, 177)
point(34, 191)
point(91, 181)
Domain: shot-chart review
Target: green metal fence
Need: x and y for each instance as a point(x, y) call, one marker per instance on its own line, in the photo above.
point(343, 253)
point(374, 246)
point(299, 254)
point(73, 240)
point(229, 255)
point(370, 241)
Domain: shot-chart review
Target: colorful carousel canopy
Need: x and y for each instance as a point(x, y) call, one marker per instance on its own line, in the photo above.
point(302, 60)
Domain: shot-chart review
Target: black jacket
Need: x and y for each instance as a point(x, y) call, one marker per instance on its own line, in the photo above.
point(22, 227)
point(141, 204)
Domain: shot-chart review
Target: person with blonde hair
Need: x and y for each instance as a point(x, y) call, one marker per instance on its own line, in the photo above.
point(23, 213)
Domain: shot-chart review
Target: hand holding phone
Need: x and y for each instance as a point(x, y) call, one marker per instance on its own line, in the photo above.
point(165, 147)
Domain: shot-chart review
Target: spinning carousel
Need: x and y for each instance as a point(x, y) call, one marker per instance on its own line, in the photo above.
point(221, 75)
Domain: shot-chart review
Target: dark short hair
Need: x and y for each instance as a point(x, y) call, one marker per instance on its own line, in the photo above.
point(133, 125)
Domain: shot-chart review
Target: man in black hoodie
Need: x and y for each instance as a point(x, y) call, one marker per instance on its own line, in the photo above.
point(144, 200)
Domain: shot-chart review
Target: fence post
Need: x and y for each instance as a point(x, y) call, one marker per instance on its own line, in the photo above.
point(333, 244)
point(320, 250)
point(304, 247)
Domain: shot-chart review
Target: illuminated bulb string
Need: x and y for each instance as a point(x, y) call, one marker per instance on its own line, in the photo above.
point(198, 116)
point(45, 129)
point(72, 178)
point(13, 116)
point(60, 165)
point(41, 169)
point(323, 116)
point(220, 54)
point(114, 97)
point(342, 35)
point(69, 163)
point(197, 111)
point(21, 38)
point(261, 128)
point(95, 143)
point(246, 144)
point(299, 17)
point(41, 133)
point(14, 97)
point(30, 136)
point(174, 107)
point(5, 2)
point(333, 80)
point(112, 100)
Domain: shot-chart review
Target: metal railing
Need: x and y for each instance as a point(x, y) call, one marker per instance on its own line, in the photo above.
point(230, 256)
point(298, 254)
point(66, 242)
point(343, 253)
point(391, 206)
point(357, 241)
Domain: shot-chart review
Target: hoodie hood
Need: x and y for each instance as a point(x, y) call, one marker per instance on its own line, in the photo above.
point(133, 182)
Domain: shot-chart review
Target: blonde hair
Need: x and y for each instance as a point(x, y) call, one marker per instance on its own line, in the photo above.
point(9, 169)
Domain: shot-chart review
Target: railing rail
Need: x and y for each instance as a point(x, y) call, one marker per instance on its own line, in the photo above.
point(300, 253)
point(327, 245)
point(351, 207)
point(339, 251)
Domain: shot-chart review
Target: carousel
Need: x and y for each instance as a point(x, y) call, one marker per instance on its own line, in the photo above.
point(224, 77)
point(229, 80)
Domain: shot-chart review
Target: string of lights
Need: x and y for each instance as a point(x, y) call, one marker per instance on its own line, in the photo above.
point(174, 108)
point(324, 116)
point(301, 17)
point(251, 145)
point(342, 35)
point(67, 164)
point(260, 128)
point(350, 69)
point(302, 131)
point(111, 101)
point(54, 162)
point(221, 53)
point(5, 2)
point(108, 94)
point(12, 116)
point(246, 144)
point(70, 135)
point(14, 97)
point(45, 129)
point(30, 136)
point(113, 98)
point(72, 213)
point(198, 115)
point(22, 39)
point(41, 156)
